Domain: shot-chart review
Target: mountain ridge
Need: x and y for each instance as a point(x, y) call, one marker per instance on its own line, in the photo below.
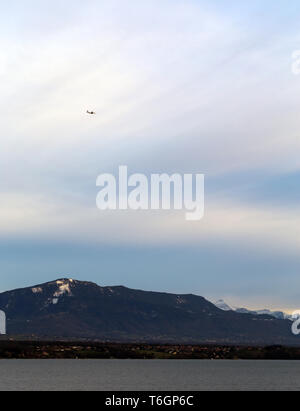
point(68, 308)
point(276, 314)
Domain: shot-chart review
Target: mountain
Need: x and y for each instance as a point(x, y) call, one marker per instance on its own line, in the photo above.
point(223, 306)
point(276, 314)
point(73, 309)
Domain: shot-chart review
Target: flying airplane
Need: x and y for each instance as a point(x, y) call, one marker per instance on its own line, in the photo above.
point(91, 112)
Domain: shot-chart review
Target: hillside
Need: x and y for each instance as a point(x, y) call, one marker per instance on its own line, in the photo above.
point(82, 310)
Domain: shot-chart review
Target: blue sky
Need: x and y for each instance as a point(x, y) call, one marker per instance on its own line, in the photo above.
point(178, 86)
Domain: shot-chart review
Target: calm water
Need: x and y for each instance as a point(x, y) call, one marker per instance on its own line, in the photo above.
point(114, 375)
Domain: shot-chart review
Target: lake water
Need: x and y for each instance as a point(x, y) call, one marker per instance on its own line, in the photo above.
point(151, 375)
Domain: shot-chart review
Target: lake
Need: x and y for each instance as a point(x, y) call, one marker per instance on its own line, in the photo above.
point(148, 375)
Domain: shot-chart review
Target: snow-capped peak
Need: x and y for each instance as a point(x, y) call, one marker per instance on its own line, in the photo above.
point(223, 306)
point(63, 288)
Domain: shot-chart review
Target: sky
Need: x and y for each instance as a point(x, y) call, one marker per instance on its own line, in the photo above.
point(179, 86)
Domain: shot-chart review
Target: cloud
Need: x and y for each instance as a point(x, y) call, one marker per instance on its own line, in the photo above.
point(275, 230)
point(189, 79)
point(178, 86)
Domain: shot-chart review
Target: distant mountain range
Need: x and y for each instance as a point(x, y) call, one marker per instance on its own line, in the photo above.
point(276, 314)
point(70, 309)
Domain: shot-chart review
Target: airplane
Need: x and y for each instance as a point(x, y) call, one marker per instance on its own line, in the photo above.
point(91, 112)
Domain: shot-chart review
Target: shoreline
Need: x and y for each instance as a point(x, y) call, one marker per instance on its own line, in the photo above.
point(97, 350)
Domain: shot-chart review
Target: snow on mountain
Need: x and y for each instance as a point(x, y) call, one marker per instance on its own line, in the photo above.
point(223, 306)
point(276, 314)
point(71, 309)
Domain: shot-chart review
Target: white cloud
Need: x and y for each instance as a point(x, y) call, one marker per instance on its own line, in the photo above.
point(187, 88)
point(271, 229)
point(187, 78)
